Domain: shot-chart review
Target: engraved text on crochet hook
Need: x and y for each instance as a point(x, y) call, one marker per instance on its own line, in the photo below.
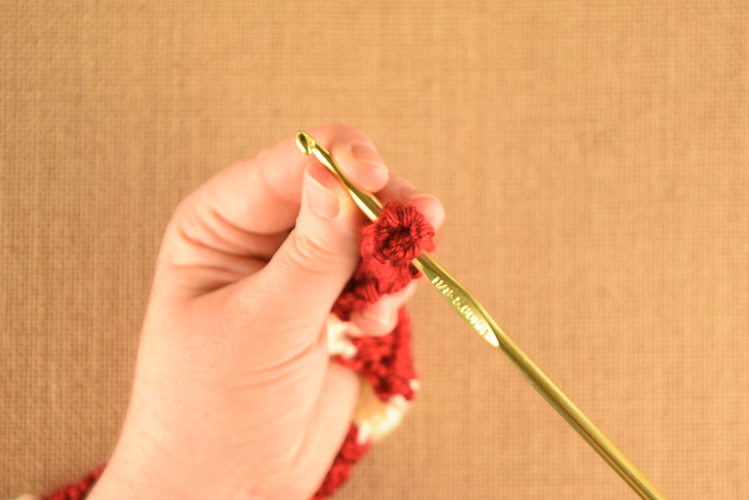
point(463, 307)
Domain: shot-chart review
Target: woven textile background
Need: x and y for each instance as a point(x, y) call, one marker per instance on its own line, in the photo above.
point(593, 159)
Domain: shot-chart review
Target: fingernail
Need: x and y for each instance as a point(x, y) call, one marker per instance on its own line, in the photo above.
point(386, 322)
point(410, 193)
point(322, 200)
point(366, 154)
point(422, 196)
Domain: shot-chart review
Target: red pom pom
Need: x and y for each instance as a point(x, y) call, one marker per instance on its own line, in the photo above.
point(400, 234)
point(388, 245)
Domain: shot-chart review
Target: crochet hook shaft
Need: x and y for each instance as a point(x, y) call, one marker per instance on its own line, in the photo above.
point(469, 308)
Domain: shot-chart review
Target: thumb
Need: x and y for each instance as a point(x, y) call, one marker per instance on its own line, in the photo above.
point(310, 269)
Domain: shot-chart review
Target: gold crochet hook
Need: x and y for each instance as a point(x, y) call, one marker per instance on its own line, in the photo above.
point(475, 315)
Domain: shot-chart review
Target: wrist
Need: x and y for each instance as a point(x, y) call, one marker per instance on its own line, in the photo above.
point(135, 474)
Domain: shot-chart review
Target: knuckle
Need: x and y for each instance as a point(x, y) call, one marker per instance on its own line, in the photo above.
point(310, 254)
point(184, 211)
point(264, 155)
point(341, 132)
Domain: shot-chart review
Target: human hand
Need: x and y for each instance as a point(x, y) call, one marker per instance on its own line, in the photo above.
point(235, 396)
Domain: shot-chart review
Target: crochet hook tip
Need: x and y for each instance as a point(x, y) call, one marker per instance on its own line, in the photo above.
point(304, 142)
point(368, 203)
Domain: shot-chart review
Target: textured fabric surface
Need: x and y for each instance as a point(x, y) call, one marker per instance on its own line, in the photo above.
point(593, 159)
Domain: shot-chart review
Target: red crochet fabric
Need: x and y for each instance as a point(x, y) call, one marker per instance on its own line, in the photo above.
point(340, 471)
point(79, 490)
point(388, 245)
point(385, 361)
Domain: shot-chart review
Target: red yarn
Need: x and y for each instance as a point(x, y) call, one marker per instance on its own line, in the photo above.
point(351, 451)
point(385, 361)
point(388, 245)
point(77, 491)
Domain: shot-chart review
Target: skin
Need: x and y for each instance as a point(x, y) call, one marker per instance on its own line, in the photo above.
point(234, 395)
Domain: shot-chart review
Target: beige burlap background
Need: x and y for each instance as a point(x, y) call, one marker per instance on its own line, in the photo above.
point(593, 159)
